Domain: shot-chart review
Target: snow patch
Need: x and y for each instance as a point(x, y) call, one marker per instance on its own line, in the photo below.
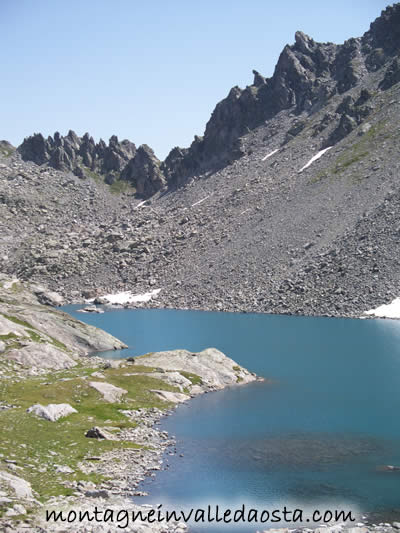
point(200, 201)
point(314, 158)
point(140, 204)
point(127, 297)
point(270, 154)
point(391, 310)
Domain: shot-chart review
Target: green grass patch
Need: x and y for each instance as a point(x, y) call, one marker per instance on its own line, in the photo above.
point(142, 368)
point(138, 387)
point(12, 341)
point(356, 152)
point(8, 337)
point(18, 321)
point(16, 287)
point(318, 177)
point(194, 378)
point(143, 356)
point(6, 152)
point(34, 336)
point(96, 177)
point(122, 186)
point(38, 445)
point(346, 161)
point(57, 343)
point(359, 150)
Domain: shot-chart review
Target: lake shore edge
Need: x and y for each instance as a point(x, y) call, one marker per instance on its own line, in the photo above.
point(155, 299)
point(78, 430)
point(22, 507)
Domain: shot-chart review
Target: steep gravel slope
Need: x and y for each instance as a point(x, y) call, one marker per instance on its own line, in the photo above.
point(268, 231)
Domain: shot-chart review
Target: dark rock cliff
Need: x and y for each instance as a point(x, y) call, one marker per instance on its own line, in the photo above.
point(306, 76)
point(119, 160)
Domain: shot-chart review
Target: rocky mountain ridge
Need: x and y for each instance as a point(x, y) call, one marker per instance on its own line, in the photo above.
point(286, 227)
point(85, 158)
point(307, 75)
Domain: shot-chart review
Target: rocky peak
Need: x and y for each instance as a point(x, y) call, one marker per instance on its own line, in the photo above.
point(35, 148)
point(304, 43)
point(258, 79)
point(81, 155)
point(306, 76)
point(113, 142)
point(384, 32)
point(72, 136)
point(144, 172)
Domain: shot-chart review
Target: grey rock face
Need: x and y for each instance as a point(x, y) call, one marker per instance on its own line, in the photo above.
point(35, 148)
point(173, 397)
point(110, 393)
point(39, 336)
point(46, 297)
point(144, 172)
point(21, 488)
point(352, 113)
point(345, 126)
point(384, 32)
point(41, 356)
point(216, 370)
point(82, 156)
point(308, 74)
point(392, 75)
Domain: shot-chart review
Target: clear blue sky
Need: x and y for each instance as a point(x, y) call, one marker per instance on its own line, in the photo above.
point(150, 71)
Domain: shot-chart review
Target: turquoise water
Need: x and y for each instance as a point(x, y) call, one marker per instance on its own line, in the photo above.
point(316, 434)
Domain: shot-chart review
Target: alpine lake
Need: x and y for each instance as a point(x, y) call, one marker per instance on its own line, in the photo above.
point(318, 433)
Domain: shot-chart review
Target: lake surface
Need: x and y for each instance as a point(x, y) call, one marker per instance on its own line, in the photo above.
point(315, 436)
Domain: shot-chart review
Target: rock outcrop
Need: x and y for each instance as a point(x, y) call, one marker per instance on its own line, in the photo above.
point(52, 412)
point(40, 337)
point(79, 155)
point(143, 171)
point(85, 158)
point(215, 369)
point(110, 393)
point(308, 74)
point(6, 148)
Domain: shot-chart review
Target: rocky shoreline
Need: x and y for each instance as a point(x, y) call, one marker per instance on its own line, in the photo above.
point(125, 469)
point(106, 479)
point(96, 441)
